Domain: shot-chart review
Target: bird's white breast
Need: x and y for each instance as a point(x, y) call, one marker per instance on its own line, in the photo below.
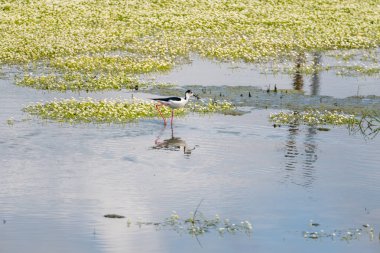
point(177, 104)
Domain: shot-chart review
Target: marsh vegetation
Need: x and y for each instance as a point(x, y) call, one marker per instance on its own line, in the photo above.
point(96, 45)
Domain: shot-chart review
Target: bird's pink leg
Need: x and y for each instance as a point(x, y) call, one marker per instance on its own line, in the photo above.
point(171, 121)
point(158, 109)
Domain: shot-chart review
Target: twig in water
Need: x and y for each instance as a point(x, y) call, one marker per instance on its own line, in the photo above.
point(196, 210)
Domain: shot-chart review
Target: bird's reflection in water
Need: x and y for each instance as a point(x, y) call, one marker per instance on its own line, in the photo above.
point(172, 144)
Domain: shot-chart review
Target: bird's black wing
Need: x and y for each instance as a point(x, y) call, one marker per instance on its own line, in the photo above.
point(167, 99)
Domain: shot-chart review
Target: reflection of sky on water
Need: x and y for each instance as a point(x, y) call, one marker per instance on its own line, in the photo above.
point(57, 181)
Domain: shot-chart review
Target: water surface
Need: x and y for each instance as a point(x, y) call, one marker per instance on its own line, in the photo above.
point(206, 72)
point(58, 180)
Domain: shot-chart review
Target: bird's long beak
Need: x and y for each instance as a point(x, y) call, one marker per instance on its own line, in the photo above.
point(196, 96)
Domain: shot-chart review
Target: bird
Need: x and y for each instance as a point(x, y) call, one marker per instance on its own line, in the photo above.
point(173, 103)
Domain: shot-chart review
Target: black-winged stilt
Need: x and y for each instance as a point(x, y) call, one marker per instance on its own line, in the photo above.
point(173, 103)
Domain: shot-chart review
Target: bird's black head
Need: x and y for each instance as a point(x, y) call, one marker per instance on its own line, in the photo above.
point(188, 94)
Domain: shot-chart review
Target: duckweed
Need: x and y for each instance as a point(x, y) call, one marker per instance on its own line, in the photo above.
point(314, 117)
point(112, 111)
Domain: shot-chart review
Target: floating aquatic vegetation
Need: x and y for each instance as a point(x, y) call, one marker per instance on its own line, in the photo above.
point(101, 40)
point(313, 117)
point(212, 106)
point(102, 111)
point(10, 121)
point(368, 56)
point(77, 81)
point(112, 63)
point(198, 224)
point(111, 111)
point(343, 234)
point(367, 122)
point(247, 30)
point(357, 70)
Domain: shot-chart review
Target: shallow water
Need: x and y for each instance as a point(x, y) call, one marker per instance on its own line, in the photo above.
point(206, 72)
point(58, 180)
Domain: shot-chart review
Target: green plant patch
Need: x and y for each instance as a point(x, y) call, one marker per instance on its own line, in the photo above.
point(247, 30)
point(116, 38)
point(212, 106)
point(113, 111)
point(112, 63)
point(358, 70)
point(77, 81)
point(198, 224)
point(314, 117)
